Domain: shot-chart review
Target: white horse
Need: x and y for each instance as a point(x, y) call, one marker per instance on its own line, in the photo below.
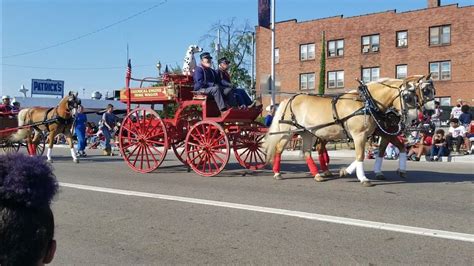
point(189, 62)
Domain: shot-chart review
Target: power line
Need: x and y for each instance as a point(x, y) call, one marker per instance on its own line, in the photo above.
point(73, 68)
point(87, 34)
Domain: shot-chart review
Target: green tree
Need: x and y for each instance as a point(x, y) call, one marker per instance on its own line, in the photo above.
point(236, 43)
point(322, 71)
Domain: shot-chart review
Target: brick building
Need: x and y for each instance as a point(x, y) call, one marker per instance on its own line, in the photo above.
point(437, 39)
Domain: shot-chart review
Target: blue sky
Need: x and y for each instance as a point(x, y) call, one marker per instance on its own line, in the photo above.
point(162, 34)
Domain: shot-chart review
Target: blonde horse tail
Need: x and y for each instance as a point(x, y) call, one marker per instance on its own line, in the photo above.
point(21, 133)
point(272, 140)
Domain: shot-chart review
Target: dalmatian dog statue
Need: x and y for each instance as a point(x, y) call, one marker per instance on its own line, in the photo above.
point(189, 61)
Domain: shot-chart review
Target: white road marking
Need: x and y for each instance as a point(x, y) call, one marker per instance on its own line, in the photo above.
point(305, 215)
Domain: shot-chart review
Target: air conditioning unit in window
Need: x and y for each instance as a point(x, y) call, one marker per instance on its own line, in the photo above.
point(402, 43)
point(375, 49)
point(365, 49)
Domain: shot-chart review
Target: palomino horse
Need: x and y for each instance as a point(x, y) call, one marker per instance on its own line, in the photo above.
point(312, 115)
point(425, 93)
point(55, 120)
point(425, 99)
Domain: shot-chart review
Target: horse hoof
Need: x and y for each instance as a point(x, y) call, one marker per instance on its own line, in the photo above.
point(367, 184)
point(49, 161)
point(379, 176)
point(278, 176)
point(402, 174)
point(327, 173)
point(343, 172)
point(319, 178)
point(76, 160)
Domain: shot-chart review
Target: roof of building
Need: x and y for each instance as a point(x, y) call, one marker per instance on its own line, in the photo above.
point(394, 11)
point(51, 102)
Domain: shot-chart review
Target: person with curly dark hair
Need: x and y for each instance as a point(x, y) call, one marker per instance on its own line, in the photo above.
point(27, 186)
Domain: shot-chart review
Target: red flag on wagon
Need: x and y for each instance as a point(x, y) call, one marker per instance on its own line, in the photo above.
point(264, 13)
point(129, 68)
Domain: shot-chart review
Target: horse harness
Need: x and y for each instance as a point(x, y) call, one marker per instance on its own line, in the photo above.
point(48, 121)
point(370, 107)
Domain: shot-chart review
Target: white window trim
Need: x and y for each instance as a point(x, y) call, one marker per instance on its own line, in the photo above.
point(440, 35)
point(306, 75)
point(336, 48)
point(371, 69)
point(336, 75)
point(396, 71)
point(307, 45)
point(370, 47)
point(403, 42)
point(440, 71)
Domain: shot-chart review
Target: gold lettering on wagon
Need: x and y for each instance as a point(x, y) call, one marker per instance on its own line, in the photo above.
point(149, 92)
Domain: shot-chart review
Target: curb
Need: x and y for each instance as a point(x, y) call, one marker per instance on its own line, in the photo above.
point(351, 154)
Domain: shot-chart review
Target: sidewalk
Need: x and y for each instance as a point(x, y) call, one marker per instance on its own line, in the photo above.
point(351, 153)
point(347, 153)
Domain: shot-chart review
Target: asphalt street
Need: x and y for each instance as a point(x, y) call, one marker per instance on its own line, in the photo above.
point(95, 227)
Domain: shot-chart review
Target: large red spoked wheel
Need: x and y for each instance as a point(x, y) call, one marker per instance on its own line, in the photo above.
point(248, 148)
point(143, 140)
point(207, 148)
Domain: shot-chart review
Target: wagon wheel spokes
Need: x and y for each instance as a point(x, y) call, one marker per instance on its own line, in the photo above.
point(143, 140)
point(207, 148)
point(247, 146)
point(179, 151)
point(10, 147)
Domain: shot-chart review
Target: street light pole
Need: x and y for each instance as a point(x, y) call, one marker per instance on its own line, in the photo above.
point(272, 77)
point(158, 66)
point(252, 83)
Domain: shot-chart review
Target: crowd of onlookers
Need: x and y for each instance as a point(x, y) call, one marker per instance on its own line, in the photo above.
point(436, 143)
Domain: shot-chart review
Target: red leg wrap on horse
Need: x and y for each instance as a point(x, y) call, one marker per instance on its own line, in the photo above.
point(276, 163)
point(311, 165)
point(326, 156)
point(31, 149)
point(323, 163)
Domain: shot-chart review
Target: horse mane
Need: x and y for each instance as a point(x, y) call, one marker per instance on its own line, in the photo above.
point(63, 105)
point(385, 82)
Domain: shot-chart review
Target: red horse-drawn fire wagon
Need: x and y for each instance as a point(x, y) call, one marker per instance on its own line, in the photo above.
point(200, 136)
point(9, 126)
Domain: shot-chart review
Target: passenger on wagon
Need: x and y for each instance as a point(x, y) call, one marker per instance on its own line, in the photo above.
point(6, 106)
point(16, 106)
point(207, 81)
point(243, 99)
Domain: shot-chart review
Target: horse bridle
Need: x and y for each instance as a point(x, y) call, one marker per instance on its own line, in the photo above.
point(73, 102)
point(425, 92)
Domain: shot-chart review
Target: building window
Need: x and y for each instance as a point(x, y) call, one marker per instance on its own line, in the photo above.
point(336, 48)
point(307, 81)
point(402, 38)
point(370, 74)
point(277, 55)
point(444, 101)
point(440, 35)
point(440, 70)
point(401, 71)
point(370, 43)
point(307, 51)
point(335, 79)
